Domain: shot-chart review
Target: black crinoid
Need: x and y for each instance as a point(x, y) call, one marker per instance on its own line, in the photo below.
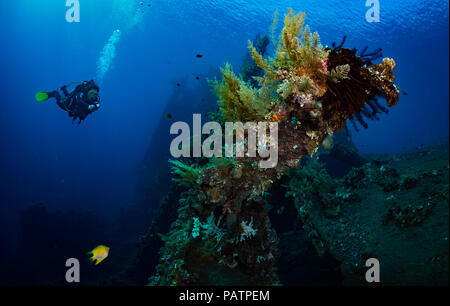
point(356, 95)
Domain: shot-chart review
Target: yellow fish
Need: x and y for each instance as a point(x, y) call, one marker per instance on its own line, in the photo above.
point(98, 254)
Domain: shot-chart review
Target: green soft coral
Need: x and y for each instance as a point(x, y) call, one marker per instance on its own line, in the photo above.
point(239, 101)
point(222, 162)
point(188, 175)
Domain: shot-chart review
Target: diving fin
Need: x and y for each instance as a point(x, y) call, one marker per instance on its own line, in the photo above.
point(41, 96)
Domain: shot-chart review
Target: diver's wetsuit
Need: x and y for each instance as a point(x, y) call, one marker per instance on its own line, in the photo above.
point(76, 103)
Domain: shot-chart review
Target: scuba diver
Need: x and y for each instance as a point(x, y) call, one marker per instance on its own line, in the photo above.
point(79, 103)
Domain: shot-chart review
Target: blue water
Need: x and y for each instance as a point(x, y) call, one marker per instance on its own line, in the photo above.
point(93, 166)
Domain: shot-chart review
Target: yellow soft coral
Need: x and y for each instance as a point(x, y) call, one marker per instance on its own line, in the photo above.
point(298, 49)
point(297, 69)
point(260, 61)
point(298, 56)
point(238, 101)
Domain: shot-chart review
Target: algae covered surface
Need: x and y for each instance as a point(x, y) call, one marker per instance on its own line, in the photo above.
point(394, 209)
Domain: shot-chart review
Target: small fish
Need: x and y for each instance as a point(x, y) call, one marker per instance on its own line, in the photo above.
point(168, 116)
point(199, 55)
point(178, 84)
point(98, 254)
point(274, 118)
point(405, 93)
point(197, 78)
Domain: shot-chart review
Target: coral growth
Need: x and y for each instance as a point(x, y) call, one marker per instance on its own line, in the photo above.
point(359, 216)
point(355, 85)
point(186, 175)
point(237, 100)
point(249, 69)
point(310, 91)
